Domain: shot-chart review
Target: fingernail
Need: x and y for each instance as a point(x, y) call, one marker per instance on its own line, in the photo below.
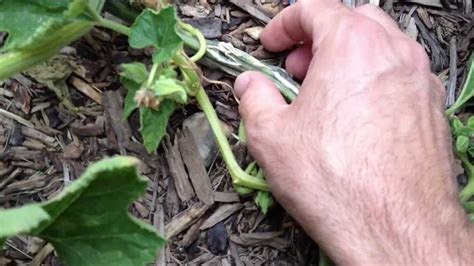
point(241, 84)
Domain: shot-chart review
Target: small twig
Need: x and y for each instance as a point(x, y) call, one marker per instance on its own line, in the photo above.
point(15, 117)
point(453, 73)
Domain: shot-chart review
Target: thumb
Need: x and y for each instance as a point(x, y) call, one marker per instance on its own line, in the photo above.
point(258, 97)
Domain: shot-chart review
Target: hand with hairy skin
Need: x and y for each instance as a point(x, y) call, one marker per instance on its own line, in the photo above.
point(362, 159)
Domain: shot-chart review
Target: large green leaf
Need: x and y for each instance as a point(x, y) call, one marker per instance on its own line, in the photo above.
point(88, 223)
point(31, 22)
point(39, 29)
point(153, 124)
point(132, 77)
point(157, 30)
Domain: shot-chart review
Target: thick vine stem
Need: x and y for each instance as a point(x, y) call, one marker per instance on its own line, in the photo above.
point(239, 177)
point(188, 69)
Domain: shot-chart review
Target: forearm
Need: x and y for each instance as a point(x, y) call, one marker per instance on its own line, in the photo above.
point(390, 237)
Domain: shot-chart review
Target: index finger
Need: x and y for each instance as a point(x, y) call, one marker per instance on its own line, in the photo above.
point(305, 20)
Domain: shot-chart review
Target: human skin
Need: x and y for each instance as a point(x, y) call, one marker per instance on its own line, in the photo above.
point(362, 159)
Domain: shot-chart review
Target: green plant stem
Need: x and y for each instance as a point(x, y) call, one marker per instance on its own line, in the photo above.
point(121, 9)
point(17, 61)
point(239, 177)
point(151, 77)
point(109, 24)
point(198, 34)
point(467, 92)
point(189, 71)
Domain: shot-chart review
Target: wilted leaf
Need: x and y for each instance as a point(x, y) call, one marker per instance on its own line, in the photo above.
point(153, 124)
point(157, 30)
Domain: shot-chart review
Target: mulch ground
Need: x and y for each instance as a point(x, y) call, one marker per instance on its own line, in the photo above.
point(45, 146)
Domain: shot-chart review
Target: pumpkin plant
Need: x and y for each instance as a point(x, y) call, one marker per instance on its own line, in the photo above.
point(83, 231)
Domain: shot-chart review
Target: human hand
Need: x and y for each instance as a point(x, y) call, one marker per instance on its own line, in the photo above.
point(362, 158)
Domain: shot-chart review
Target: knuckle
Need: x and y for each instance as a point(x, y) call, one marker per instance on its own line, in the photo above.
point(419, 53)
point(411, 55)
point(360, 26)
point(367, 9)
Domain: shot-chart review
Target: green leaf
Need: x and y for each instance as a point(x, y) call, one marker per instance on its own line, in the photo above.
point(135, 72)
point(132, 77)
point(40, 29)
point(462, 143)
point(21, 220)
point(457, 125)
point(470, 150)
point(467, 91)
point(264, 200)
point(88, 223)
point(167, 88)
point(470, 122)
point(242, 133)
point(29, 23)
point(153, 124)
point(169, 72)
point(157, 30)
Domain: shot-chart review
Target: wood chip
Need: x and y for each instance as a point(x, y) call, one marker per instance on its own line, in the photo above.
point(264, 238)
point(171, 200)
point(41, 256)
point(222, 213)
point(195, 165)
point(87, 89)
point(15, 117)
point(73, 151)
point(226, 196)
point(185, 219)
point(112, 102)
point(35, 134)
point(88, 130)
point(159, 223)
point(178, 172)
point(254, 32)
point(191, 235)
point(234, 252)
point(432, 3)
point(201, 260)
point(252, 9)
